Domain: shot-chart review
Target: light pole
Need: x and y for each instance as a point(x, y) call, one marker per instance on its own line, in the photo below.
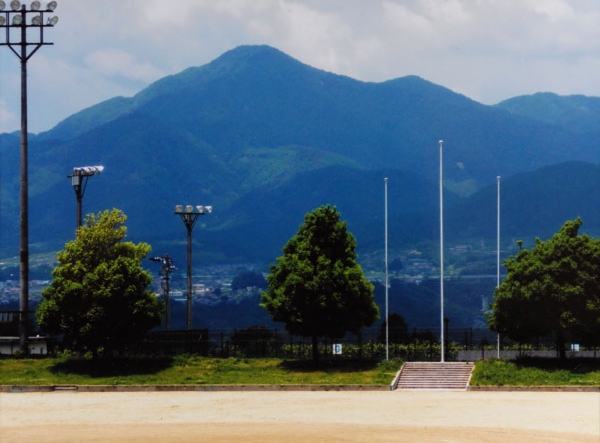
point(189, 214)
point(442, 347)
point(167, 267)
point(79, 180)
point(16, 22)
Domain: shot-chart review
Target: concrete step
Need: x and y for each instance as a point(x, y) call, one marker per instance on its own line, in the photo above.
point(434, 375)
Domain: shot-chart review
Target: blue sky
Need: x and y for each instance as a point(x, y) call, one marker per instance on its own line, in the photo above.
point(488, 50)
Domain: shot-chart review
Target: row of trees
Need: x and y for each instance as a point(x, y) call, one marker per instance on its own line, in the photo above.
point(99, 300)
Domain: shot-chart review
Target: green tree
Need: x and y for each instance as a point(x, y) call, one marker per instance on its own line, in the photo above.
point(98, 298)
point(317, 288)
point(553, 288)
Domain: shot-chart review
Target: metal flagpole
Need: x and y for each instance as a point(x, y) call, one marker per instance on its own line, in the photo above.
point(442, 347)
point(387, 324)
point(498, 252)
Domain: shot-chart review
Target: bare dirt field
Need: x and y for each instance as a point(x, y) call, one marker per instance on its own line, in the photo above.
point(400, 416)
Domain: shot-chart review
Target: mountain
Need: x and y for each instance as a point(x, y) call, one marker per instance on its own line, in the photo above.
point(265, 138)
point(259, 97)
point(532, 204)
point(575, 113)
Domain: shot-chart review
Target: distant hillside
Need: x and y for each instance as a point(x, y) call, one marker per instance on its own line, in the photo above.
point(532, 204)
point(265, 138)
point(576, 113)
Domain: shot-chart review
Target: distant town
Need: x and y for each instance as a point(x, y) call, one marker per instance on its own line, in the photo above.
point(213, 284)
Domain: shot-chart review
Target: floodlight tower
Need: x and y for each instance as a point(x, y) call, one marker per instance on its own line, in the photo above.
point(189, 214)
point(79, 180)
point(16, 22)
point(167, 267)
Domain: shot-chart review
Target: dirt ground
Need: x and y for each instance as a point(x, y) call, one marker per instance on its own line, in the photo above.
point(400, 416)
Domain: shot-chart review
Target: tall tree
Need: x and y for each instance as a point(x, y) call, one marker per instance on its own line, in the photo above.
point(98, 298)
point(317, 288)
point(552, 289)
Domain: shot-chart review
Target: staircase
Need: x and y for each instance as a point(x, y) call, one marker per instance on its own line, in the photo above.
point(429, 375)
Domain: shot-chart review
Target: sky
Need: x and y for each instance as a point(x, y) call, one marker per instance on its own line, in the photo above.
point(488, 50)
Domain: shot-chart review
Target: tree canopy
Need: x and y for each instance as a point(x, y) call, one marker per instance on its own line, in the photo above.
point(317, 288)
point(98, 298)
point(553, 288)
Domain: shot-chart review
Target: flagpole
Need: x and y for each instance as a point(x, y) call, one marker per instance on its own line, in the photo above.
point(442, 344)
point(387, 324)
point(498, 252)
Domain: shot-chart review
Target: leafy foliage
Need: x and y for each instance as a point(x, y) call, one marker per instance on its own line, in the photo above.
point(317, 288)
point(553, 288)
point(98, 298)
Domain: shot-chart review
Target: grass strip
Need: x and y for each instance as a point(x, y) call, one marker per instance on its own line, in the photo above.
point(184, 370)
point(196, 370)
point(537, 372)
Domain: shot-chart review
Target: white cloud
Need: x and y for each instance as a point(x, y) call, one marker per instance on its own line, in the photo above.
point(553, 10)
point(115, 62)
point(488, 50)
point(8, 119)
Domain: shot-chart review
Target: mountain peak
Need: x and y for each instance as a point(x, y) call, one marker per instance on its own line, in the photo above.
point(253, 52)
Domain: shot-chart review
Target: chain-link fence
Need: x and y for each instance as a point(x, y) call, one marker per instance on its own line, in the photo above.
point(419, 344)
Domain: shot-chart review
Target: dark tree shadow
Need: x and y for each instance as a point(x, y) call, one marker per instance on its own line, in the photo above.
point(573, 365)
point(329, 365)
point(112, 367)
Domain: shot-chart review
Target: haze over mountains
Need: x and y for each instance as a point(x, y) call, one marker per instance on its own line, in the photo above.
point(265, 139)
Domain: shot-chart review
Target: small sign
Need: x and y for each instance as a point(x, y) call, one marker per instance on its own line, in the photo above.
point(575, 347)
point(337, 349)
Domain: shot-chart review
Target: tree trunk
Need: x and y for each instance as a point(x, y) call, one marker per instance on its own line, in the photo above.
point(315, 348)
point(560, 345)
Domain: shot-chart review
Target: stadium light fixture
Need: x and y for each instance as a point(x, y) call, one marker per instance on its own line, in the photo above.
point(189, 214)
point(79, 180)
point(167, 267)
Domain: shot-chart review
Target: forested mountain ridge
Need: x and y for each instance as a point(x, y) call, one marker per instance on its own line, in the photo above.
point(265, 139)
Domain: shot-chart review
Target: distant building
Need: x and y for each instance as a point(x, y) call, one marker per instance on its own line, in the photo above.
point(461, 249)
point(418, 266)
point(37, 345)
